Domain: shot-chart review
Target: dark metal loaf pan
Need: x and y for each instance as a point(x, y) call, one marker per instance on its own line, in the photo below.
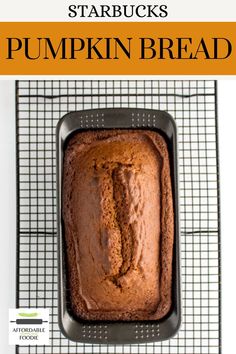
point(118, 332)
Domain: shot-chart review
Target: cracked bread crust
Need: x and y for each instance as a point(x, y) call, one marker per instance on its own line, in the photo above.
point(119, 224)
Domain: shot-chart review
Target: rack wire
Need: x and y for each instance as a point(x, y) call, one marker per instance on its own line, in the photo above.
point(193, 103)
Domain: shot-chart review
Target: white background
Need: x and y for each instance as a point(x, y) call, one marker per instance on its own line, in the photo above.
point(182, 10)
point(227, 141)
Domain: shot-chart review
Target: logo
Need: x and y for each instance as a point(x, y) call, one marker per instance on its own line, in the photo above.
point(29, 326)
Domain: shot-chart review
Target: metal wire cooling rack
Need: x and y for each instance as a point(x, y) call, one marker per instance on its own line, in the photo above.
point(40, 104)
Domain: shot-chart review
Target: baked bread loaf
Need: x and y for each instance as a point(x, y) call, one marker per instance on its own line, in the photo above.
point(119, 224)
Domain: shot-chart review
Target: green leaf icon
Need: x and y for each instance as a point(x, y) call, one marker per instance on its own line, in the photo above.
point(32, 314)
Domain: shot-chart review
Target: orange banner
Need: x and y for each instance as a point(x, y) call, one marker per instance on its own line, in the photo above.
point(118, 48)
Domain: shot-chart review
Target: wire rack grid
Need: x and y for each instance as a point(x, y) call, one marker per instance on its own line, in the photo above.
point(39, 106)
